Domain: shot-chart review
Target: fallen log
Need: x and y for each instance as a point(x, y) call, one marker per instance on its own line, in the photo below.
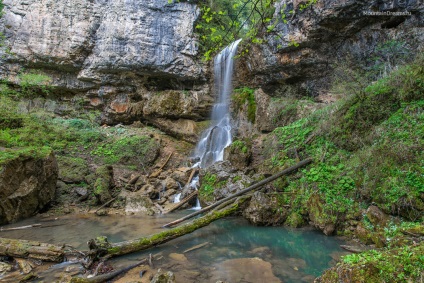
point(248, 189)
point(117, 249)
point(196, 247)
point(19, 228)
point(181, 203)
point(32, 249)
point(191, 176)
point(108, 276)
point(105, 204)
point(157, 172)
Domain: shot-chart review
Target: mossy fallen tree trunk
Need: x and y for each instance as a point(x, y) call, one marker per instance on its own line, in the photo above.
point(143, 243)
point(32, 249)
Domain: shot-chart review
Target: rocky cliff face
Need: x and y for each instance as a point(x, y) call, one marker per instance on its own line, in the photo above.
point(304, 49)
point(116, 54)
point(301, 56)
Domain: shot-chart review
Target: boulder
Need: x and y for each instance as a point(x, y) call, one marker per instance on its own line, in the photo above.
point(239, 154)
point(265, 210)
point(27, 183)
point(376, 216)
point(136, 203)
point(163, 277)
point(221, 180)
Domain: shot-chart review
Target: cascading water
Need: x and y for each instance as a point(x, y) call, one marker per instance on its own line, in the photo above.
point(217, 137)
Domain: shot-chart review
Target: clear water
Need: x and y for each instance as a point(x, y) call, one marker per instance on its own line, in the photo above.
point(236, 251)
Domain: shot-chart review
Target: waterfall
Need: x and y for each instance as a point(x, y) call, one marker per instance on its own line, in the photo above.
point(217, 137)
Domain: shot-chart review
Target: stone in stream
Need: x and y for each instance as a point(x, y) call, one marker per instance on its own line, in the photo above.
point(244, 270)
point(163, 277)
point(178, 257)
point(139, 203)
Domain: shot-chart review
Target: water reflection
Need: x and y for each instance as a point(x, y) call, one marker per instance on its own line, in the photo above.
point(235, 251)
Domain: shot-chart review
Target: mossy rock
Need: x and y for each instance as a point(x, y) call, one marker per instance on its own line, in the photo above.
point(295, 220)
point(239, 154)
point(321, 219)
point(103, 183)
point(72, 169)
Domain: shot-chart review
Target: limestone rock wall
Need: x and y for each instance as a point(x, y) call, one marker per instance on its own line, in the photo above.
point(115, 54)
point(27, 184)
point(299, 58)
point(302, 51)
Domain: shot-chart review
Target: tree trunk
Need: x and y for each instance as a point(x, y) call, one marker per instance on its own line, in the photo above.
point(31, 249)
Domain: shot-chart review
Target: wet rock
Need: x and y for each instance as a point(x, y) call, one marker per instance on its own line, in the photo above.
point(171, 184)
point(27, 184)
point(244, 270)
point(5, 267)
point(223, 180)
point(138, 203)
point(178, 257)
point(104, 182)
point(376, 216)
point(163, 277)
point(169, 193)
point(181, 175)
point(184, 129)
point(25, 266)
point(265, 210)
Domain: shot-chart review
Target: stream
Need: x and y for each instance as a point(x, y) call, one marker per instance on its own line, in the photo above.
point(235, 251)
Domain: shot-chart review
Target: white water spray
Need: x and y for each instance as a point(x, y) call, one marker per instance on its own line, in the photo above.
point(217, 137)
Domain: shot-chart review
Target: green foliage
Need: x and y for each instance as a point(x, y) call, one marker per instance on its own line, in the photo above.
point(306, 5)
point(367, 148)
point(124, 149)
point(223, 21)
point(7, 154)
point(404, 264)
point(239, 145)
point(246, 96)
point(208, 183)
point(33, 83)
point(363, 111)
